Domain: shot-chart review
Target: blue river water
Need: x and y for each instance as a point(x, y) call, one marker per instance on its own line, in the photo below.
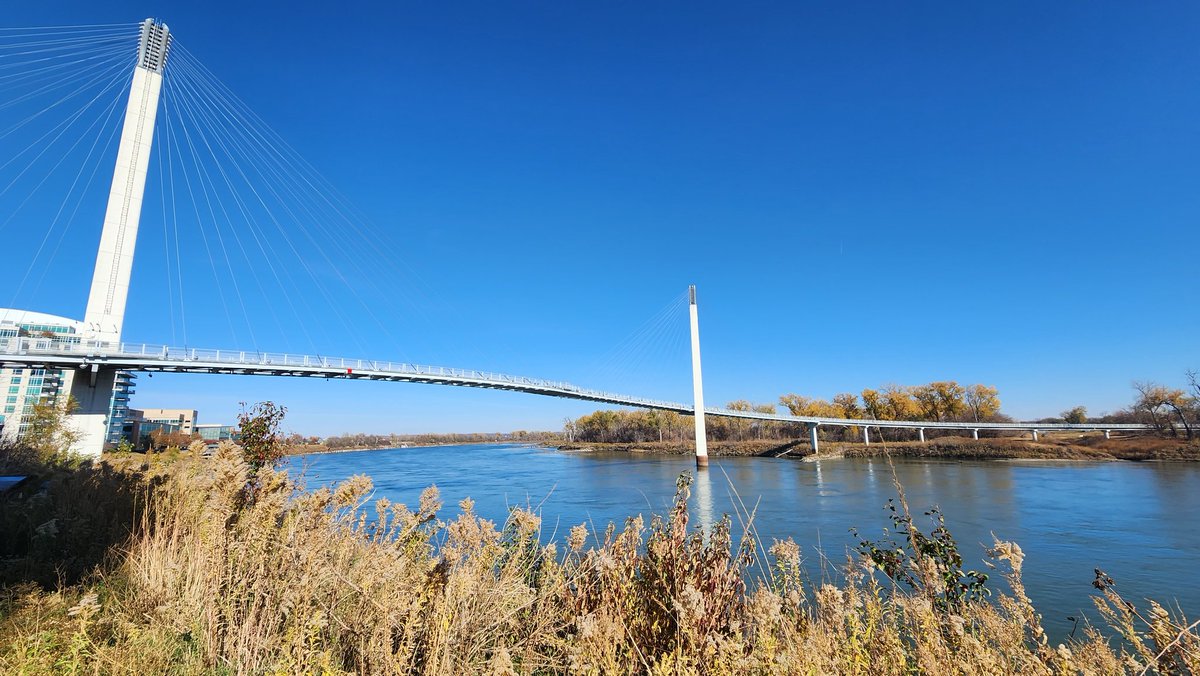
point(1133, 520)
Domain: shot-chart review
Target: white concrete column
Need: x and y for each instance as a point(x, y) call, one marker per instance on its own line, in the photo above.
point(812, 436)
point(697, 383)
point(866, 436)
point(974, 434)
point(92, 392)
point(1108, 434)
point(921, 433)
point(105, 315)
point(1035, 435)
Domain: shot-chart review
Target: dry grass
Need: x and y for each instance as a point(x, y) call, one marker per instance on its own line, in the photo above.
point(280, 580)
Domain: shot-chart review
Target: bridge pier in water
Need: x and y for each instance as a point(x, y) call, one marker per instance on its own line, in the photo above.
point(921, 433)
point(812, 437)
point(866, 436)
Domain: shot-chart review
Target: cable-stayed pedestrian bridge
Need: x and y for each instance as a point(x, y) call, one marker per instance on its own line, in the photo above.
point(48, 353)
point(264, 217)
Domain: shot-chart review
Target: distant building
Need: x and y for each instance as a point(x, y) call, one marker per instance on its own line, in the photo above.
point(142, 423)
point(22, 388)
point(216, 433)
point(182, 418)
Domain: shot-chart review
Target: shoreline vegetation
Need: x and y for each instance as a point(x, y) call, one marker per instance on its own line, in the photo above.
point(296, 444)
point(182, 563)
point(1092, 447)
point(1050, 446)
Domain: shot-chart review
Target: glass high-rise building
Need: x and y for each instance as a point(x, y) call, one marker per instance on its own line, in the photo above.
point(23, 387)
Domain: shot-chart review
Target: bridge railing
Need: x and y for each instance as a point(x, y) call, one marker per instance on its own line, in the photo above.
point(147, 356)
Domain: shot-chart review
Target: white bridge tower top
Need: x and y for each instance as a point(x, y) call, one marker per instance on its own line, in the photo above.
point(105, 315)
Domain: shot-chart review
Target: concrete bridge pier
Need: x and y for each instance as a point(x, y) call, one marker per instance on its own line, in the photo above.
point(921, 433)
point(975, 434)
point(866, 435)
point(1108, 434)
point(92, 394)
point(1034, 432)
point(812, 436)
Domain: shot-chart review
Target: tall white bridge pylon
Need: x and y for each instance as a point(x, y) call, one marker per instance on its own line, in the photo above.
point(92, 387)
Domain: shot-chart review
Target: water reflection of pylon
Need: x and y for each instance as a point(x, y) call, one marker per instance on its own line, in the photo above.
point(704, 501)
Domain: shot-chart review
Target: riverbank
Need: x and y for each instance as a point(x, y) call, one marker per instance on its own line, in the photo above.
point(1048, 447)
point(320, 449)
point(757, 447)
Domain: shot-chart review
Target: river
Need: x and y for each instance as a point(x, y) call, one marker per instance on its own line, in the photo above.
point(1133, 520)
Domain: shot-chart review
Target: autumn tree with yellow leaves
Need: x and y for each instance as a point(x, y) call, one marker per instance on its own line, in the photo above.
point(935, 402)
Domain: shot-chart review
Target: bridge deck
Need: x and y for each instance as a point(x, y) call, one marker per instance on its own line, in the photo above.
point(42, 352)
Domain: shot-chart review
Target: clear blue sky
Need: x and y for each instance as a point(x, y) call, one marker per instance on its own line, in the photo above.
point(863, 193)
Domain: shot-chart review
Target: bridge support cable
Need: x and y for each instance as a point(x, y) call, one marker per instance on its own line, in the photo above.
point(208, 192)
point(95, 163)
point(213, 138)
point(62, 74)
point(175, 157)
point(162, 198)
point(60, 90)
point(38, 92)
point(222, 154)
point(170, 169)
point(203, 123)
point(660, 341)
point(111, 75)
point(261, 186)
point(74, 192)
point(218, 194)
point(282, 154)
point(280, 191)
